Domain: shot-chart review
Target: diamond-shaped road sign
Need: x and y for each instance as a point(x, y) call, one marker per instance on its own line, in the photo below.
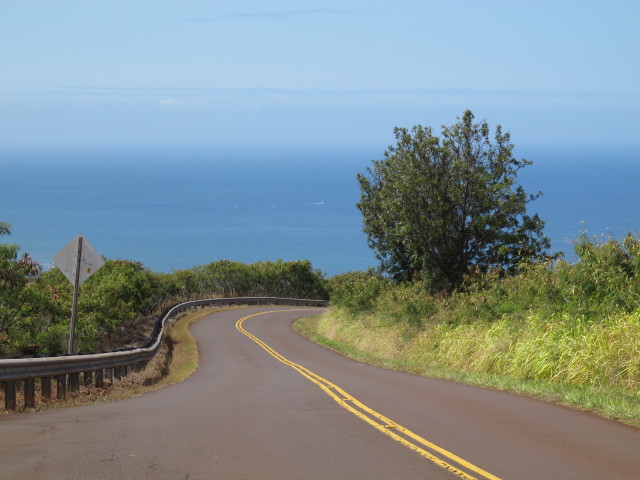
point(67, 259)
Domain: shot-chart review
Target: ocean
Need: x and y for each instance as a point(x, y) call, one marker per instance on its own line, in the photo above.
point(177, 208)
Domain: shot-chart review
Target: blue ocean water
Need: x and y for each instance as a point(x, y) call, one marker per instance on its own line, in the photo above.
point(177, 208)
point(591, 190)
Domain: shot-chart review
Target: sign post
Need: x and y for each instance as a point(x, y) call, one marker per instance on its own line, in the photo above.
point(78, 260)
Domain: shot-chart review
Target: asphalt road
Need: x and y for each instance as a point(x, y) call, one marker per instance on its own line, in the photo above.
point(268, 404)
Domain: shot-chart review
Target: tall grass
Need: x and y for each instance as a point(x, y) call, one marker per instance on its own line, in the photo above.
point(569, 325)
point(555, 349)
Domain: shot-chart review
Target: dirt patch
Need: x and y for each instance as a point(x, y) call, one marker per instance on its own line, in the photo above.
point(134, 333)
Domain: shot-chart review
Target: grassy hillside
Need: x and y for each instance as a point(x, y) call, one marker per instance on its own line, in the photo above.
point(569, 332)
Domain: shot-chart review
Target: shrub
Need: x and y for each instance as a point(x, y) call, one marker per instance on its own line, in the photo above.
point(357, 292)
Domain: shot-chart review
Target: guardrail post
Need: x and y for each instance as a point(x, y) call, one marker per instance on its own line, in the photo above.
point(99, 379)
point(117, 373)
point(30, 393)
point(45, 388)
point(10, 395)
point(109, 374)
point(61, 387)
point(87, 378)
point(74, 382)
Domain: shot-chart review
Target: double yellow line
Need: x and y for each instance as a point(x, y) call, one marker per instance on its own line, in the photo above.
point(378, 421)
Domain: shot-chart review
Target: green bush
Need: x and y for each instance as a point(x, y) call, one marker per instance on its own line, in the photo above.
point(34, 318)
point(262, 279)
point(119, 292)
point(357, 292)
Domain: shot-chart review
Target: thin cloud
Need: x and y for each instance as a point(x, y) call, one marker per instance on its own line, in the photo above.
point(169, 102)
point(171, 92)
point(258, 98)
point(316, 12)
point(174, 103)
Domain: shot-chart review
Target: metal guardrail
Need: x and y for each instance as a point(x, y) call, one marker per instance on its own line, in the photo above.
point(94, 367)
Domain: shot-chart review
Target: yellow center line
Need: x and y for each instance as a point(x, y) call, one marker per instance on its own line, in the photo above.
point(386, 426)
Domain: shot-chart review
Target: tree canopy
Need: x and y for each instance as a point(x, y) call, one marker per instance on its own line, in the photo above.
point(436, 208)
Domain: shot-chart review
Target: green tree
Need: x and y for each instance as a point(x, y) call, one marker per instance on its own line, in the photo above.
point(437, 208)
point(13, 291)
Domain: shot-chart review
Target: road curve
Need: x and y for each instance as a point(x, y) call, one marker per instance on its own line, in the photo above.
point(268, 404)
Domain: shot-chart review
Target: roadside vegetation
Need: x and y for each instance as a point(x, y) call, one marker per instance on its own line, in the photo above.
point(119, 304)
point(568, 332)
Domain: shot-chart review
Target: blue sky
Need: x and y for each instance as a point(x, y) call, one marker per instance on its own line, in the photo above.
point(310, 73)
